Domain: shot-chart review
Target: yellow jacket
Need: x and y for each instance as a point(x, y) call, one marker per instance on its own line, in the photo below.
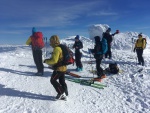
point(28, 42)
point(57, 54)
point(140, 43)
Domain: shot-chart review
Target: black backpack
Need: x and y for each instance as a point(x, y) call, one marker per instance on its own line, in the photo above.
point(67, 56)
point(113, 68)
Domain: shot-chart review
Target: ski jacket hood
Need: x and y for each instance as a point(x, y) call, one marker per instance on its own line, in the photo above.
point(97, 39)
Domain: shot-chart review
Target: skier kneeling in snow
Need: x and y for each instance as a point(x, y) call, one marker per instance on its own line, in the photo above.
point(59, 72)
point(98, 55)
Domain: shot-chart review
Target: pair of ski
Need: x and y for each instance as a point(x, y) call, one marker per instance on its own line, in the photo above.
point(89, 82)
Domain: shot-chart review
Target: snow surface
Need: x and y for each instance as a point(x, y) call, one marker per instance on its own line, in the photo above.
point(127, 92)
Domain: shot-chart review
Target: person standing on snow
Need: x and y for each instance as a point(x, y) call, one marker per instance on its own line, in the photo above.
point(78, 45)
point(139, 47)
point(59, 72)
point(98, 55)
point(108, 37)
point(36, 41)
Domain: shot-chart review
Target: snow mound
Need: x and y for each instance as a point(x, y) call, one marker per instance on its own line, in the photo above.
point(97, 30)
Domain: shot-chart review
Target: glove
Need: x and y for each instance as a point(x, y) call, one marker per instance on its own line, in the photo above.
point(45, 61)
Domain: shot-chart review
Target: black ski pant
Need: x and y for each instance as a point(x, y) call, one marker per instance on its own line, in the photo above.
point(140, 55)
point(108, 53)
point(37, 56)
point(78, 56)
point(60, 86)
point(100, 71)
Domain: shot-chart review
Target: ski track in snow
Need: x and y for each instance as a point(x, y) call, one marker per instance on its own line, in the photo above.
point(22, 92)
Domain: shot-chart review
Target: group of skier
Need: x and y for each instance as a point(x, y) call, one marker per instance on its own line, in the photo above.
point(57, 56)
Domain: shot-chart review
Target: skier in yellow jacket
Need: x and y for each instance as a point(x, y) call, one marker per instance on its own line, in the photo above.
point(58, 73)
point(139, 47)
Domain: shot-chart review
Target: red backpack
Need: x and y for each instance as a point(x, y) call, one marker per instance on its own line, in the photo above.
point(37, 40)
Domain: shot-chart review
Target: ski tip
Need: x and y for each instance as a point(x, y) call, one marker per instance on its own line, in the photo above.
point(97, 79)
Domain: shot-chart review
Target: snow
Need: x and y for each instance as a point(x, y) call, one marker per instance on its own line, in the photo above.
point(97, 30)
point(127, 92)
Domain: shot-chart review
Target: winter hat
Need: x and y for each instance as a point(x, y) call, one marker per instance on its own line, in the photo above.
point(33, 30)
point(77, 37)
point(54, 40)
point(97, 39)
point(109, 29)
point(117, 31)
point(140, 35)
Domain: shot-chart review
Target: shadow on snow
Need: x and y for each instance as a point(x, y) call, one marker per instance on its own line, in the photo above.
point(25, 73)
point(15, 93)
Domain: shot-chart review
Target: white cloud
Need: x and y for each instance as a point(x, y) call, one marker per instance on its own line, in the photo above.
point(104, 13)
point(148, 27)
point(46, 13)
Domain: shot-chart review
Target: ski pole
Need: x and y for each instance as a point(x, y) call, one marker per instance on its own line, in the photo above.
point(132, 44)
point(46, 47)
point(136, 60)
point(92, 66)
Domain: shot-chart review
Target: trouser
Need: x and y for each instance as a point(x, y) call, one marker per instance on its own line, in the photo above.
point(37, 56)
point(140, 55)
point(78, 59)
point(60, 86)
point(100, 71)
point(108, 53)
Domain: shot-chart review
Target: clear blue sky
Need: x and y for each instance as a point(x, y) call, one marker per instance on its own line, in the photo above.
point(70, 17)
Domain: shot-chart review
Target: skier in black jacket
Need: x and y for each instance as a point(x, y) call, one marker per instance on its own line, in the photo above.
point(78, 45)
point(108, 37)
point(98, 57)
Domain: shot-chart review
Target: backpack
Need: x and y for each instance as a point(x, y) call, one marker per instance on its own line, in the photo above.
point(145, 42)
point(143, 39)
point(37, 40)
point(67, 56)
point(102, 47)
point(113, 68)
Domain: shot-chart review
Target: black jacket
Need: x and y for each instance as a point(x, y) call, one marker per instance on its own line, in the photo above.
point(108, 37)
point(79, 45)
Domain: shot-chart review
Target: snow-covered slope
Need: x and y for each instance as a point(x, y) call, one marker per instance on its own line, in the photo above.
point(23, 92)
